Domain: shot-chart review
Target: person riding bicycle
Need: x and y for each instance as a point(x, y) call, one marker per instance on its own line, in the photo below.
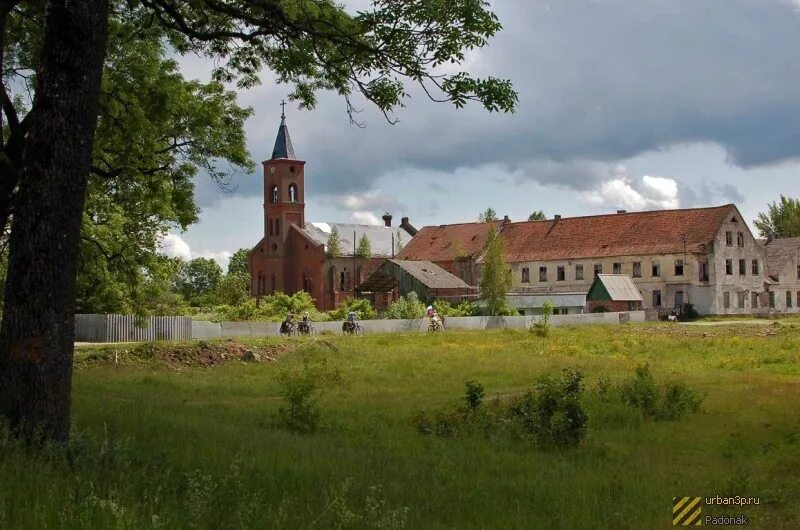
point(305, 324)
point(434, 316)
point(352, 316)
point(287, 326)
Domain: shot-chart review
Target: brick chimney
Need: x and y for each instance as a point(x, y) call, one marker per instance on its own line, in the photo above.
point(622, 211)
point(557, 217)
point(506, 220)
point(387, 219)
point(405, 225)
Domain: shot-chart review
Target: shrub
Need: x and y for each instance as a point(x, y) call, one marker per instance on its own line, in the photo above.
point(473, 395)
point(689, 312)
point(362, 307)
point(302, 389)
point(554, 414)
point(542, 326)
point(642, 392)
point(462, 309)
point(408, 307)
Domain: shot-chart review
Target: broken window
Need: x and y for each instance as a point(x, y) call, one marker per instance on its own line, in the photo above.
point(617, 268)
point(542, 274)
point(755, 267)
point(678, 267)
point(726, 300)
point(729, 267)
point(772, 299)
point(739, 239)
point(788, 299)
point(561, 274)
point(742, 267)
point(656, 270)
point(754, 300)
point(704, 271)
point(579, 272)
point(728, 239)
point(637, 269)
point(598, 269)
point(526, 275)
point(740, 299)
point(656, 298)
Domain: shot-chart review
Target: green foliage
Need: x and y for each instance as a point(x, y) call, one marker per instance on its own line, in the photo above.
point(459, 251)
point(462, 309)
point(301, 389)
point(538, 215)
point(334, 247)
point(233, 288)
point(675, 401)
point(495, 275)
point(407, 307)
point(198, 278)
point(398, 242)
point(364, 248)
point(782, 219)
point(542, 325)
point(473, 395)
point(487, 215)
point(239, 261)
point(362, 307)
point(272, 308)
point(554, 414)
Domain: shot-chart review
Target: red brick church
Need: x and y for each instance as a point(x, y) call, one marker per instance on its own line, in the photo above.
point(292, 257)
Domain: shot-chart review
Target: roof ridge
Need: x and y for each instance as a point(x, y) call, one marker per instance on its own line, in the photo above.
point(642, 212)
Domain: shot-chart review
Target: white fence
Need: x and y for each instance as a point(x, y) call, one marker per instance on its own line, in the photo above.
point(119, 328)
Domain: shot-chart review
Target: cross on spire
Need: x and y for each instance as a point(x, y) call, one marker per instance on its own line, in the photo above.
point(283, 109)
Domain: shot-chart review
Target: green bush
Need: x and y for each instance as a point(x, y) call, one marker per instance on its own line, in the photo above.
point(362, 307)
point(408, 307)
point(301, 389)
point(462, 309)
point(474, 395)
point(642, 392)
point(542, 326)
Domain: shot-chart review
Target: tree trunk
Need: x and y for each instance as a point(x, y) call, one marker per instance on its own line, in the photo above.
point(36, 339)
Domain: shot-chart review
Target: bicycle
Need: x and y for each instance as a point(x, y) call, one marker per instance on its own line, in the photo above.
point(288, 329)
point(306, 329)
point(352, 328)
point(435, 326)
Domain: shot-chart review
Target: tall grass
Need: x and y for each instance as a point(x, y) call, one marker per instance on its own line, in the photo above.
point(155, 446)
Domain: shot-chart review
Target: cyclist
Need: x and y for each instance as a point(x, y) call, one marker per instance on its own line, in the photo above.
point(287, 326)
point(305, 323)
point(352, 316)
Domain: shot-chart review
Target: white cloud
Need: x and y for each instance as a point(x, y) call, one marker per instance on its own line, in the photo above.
point(620, 191)
point(174, 246)
point(365, 218)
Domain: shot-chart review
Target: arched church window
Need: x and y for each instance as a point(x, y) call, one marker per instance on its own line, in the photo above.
point(332, 279)
point(292, 192)
point(274, 194)
point(274, 285)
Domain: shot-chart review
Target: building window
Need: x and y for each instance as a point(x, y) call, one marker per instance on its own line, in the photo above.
point(269, 231)
point(798, 299)
point(598, 269)
point(578, 272)
point(561, 274)
point(742, 267)
point(542, 274)
point(293, 192)
point(274, 194)
point(740, 299)
point(678, 267)
point(788, 299)
point(753, 300)
point(656, 298)
point(726, 300)
point(728, 239)
point(616, 268)
point(656, 271)
point(637, 269)
point(526, 275)
point(772, 299)
point(729, 267)
point(798, 272)
point(703, 270)
point(739, 239)
point(755, 267)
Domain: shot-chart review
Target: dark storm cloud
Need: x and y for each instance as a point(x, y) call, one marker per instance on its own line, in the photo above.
point(599, 82)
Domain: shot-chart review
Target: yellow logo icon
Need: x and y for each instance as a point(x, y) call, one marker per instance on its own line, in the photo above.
point(686, 511)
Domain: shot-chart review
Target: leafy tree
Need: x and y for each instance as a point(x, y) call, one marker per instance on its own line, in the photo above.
point(233, 289)
point(156, 294)
point(312, 44)
point(538, 215)
point(361, 306)
point(239, 261)
point(488, 215)
point(462, 309)
point(782, 219)
point(199, 277)
point(334, 247)
point(364, 249)
point(495, 276)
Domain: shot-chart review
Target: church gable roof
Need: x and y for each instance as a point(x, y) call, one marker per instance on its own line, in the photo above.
point(380, 237)
point(283, 143)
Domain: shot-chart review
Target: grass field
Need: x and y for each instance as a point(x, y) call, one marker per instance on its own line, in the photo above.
point(165, 444)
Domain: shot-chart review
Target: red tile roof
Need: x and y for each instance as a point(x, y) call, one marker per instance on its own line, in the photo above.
point(437, 243)
point(622, 234)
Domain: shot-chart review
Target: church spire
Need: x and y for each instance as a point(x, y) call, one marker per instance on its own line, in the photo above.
point(283, 143)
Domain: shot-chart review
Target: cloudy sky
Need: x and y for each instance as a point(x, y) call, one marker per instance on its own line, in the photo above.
point(635, 104)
